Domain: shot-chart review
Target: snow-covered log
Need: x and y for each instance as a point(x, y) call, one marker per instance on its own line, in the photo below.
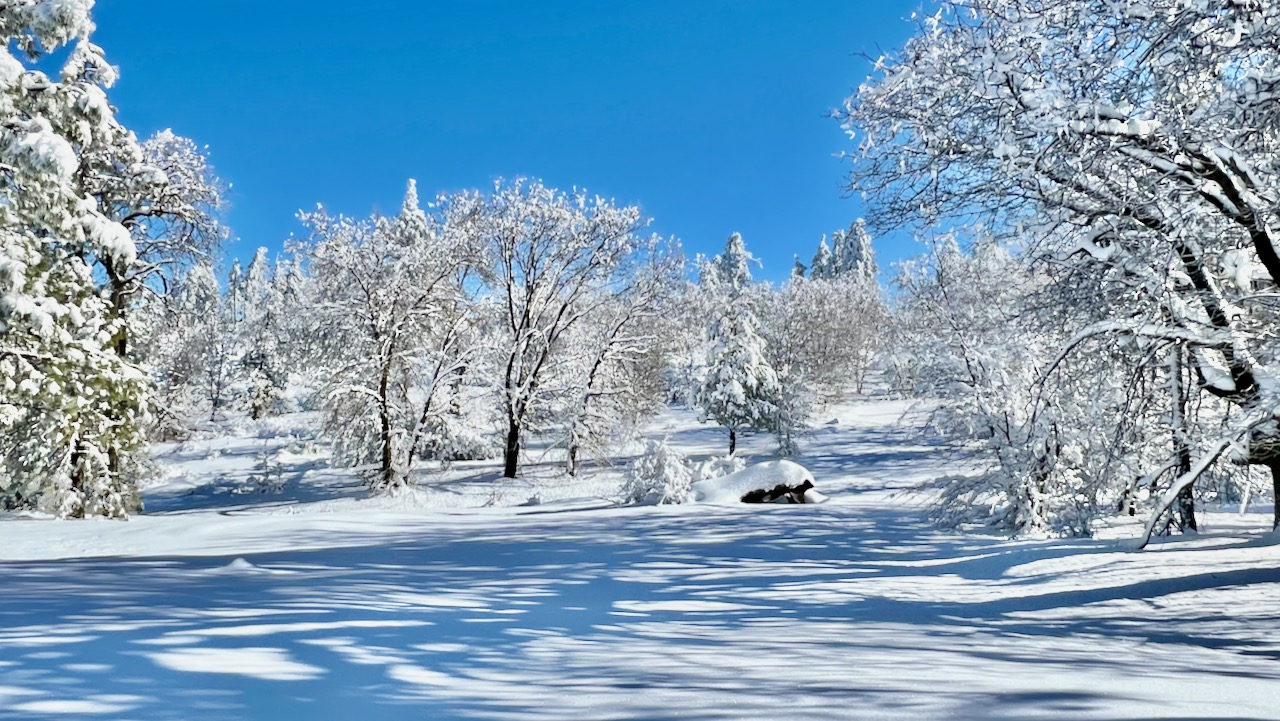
point(760, 482)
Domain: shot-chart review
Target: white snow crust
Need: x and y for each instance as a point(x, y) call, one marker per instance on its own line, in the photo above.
point(454, 602)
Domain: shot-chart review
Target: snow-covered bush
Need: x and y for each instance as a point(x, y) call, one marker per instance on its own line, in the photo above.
point(718, 466)
point(449, 439)
point(659, 475)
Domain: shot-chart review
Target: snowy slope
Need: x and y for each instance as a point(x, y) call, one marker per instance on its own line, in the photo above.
point(315, 603)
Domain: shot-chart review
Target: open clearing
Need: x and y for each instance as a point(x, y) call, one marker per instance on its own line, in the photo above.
point(312, 602)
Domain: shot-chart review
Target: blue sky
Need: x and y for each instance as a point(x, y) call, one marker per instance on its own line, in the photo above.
point(709, 114)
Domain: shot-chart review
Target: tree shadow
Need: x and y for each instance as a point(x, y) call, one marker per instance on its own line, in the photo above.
point(819, 612)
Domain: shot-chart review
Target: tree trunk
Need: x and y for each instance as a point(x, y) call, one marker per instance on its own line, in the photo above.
point(1275, 495)
point(733, 441)
point(384, 413)
point(77, 478)
point(455, 388)
point(1183, 511)
point(1182, 515)
point(511, 455)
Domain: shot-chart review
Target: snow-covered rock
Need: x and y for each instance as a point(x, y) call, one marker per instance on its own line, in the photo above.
point(760, 477)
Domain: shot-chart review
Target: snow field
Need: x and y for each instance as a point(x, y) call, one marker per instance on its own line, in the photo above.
point(314, 602)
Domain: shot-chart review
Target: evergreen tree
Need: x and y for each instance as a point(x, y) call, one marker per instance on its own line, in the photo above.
point(741, 389)
point(798, 270)
point(72, 409)
point(823, 265)
point(852, 255)
point(262, 333)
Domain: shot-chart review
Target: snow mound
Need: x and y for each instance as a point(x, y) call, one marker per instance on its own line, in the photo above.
point(242, 567)
point(760, 477)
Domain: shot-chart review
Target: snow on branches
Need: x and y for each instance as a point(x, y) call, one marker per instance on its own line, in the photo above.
point(1130, 154)
point(72, 408)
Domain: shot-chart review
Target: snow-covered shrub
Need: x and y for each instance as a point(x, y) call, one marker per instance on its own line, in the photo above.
point(449, 440)
point(657, 476)
point(718, 466)
point(268, 477)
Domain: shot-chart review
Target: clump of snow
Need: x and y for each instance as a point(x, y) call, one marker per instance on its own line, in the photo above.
point(760, 477)
point(243, 567)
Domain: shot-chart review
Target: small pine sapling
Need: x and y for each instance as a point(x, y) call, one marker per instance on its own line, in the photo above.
point(658, 476)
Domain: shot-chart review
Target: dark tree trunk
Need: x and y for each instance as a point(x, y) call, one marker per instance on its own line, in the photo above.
point(119, 305)
point(1275, 495)
point(733, 441)
point(455, 386)
point(77, 477)
point(511, 455)
point(384, 413)
point(1184, 510)
point(1182, 514)
point(572, 465)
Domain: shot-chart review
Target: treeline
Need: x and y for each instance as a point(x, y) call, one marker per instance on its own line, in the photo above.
point(459, 329)
point(462, 329)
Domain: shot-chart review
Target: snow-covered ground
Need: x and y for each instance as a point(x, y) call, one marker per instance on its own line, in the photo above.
point(309, 601)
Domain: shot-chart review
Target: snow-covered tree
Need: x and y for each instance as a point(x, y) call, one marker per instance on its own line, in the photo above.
point(391, 304)
point(823, 265)
point(172, 207)
point(685, 328)
point(728, 275)
point(742, 389)
point(261, 333)
point(235, 291)
point(73, 409)
point(619, 348)
point(556, 261)
point(798, 269)
point(852, 256)
point(1133, 145)
point(959, 340)
point(187, 340)
point(826, 331)
point(848, 255)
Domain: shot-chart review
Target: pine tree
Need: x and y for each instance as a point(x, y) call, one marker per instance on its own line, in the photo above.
point(798, 270)
point(72, 408)
point(853, 256)
point(262, 331)
point(731, 270)
point(823, 265)
point(741, 389)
